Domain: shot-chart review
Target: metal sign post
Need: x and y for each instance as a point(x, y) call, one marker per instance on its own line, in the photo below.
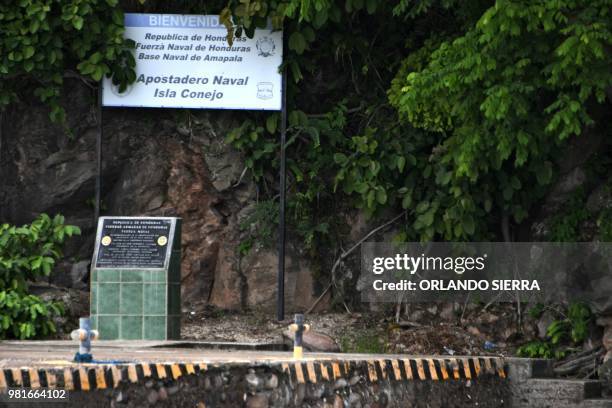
point(98, 158)
point(280, 293)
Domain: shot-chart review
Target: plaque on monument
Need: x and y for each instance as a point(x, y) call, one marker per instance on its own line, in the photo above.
point(133, 242)
point(136, 278)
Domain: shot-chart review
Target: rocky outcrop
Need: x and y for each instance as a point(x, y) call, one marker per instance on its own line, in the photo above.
point(575, 176)
point(155, 162)
point(572, 166)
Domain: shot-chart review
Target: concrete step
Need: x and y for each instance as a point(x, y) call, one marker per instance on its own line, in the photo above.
point(582, 389)
point(597, 403)
point(557, 393)
point(520, 369)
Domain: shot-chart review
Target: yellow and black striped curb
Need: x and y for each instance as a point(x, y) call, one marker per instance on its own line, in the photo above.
point(437, 369)
point(87, 377)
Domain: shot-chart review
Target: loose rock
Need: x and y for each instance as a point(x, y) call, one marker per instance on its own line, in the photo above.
point(314, 341)
point(607, 338)
point(257, 401)
point(338, 403)
point(121, 397)
point(152, 397)
point(271, 382)
point(253, 380)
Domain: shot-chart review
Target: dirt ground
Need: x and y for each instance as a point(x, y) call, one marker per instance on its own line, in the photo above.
point(424, 329)
point(436, 328)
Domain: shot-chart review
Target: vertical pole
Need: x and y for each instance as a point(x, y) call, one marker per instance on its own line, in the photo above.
point(98, 158)
point(85, 345)
point(298, 348)
point(1, 123)
point(280, 293)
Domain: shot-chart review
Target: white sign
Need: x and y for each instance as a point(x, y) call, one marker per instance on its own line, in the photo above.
point(184, 61)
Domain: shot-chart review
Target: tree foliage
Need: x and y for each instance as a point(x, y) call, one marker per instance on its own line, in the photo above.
point(44, 40)
point(509, 92)
point(487, 94)
point(452, 111)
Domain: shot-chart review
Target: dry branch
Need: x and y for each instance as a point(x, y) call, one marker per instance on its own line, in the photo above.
point(343, 256)
point(580, 362)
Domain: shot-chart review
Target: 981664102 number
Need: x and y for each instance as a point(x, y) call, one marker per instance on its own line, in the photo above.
point(33, 395)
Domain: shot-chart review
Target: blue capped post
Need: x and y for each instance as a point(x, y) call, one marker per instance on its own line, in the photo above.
point(84, 334)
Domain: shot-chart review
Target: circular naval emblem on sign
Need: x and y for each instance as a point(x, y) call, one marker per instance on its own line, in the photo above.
point(115, 90)
point(161, 241)
point(106, 240)
point(265, 45)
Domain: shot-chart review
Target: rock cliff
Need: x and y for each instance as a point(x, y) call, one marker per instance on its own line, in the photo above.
point(155, 162)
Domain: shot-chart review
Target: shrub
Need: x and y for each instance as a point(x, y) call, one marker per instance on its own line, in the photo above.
point(27, 253)
point(562, 335)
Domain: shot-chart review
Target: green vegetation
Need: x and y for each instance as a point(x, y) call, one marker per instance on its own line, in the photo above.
point(604, 222)
point(486, 104)
point(562, 335)
point(43, 41)
point(27, 253)
point(565, 224)
point(363, 341)
point(258, 227)
point(454, 111)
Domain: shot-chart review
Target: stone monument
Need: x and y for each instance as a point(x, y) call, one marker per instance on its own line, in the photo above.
point(135, 278)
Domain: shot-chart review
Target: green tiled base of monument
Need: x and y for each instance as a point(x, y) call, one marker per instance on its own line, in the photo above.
point(138, 304)
point(133, 304)
point(137, 327)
